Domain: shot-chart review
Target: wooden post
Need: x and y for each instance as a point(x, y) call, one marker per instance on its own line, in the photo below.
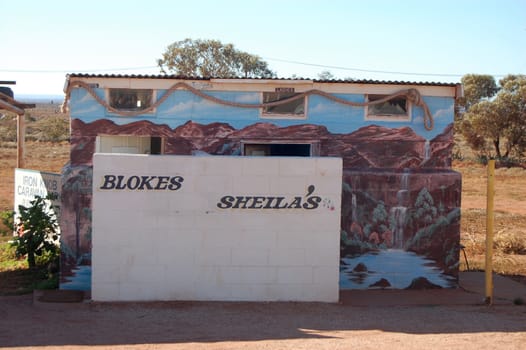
point(21, 140)
point(489, 232)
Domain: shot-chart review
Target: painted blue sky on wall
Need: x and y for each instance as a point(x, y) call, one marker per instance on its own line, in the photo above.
point(182, 106)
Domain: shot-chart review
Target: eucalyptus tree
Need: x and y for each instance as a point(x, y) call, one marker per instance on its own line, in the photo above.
point(211, 58)
point(495, 125)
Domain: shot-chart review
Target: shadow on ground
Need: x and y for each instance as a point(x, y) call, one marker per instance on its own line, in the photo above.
point(67, 324)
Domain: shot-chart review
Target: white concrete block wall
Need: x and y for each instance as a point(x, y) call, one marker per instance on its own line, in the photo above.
point(179, 245)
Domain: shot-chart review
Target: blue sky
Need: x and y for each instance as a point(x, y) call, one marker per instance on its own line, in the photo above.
point(439, 41)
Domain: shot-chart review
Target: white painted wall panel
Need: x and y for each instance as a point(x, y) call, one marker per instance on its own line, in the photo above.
point(188, 244)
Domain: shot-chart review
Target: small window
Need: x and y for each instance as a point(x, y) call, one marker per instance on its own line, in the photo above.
point(129, 144)
point(291, 109)
point(130, 99)
point(278, 150)
point(397, 108)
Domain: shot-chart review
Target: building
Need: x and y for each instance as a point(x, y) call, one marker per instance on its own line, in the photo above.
point(399, 213)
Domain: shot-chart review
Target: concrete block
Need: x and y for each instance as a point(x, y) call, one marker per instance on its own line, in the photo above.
point(149, 274)
point(102, 274)
point(251, 292)
point(176, 255)
point(257, 238)
point(250, 256)
point(288, 256)
point(138, 291)
point(288, 186)
point(258, 275)
point(319, 292)
point(259, 166)
point(219, 256)
point(329, 167)
point(109, 291)
point(295, 274)
point(219, 165)
point(321, 257)
point(250, 186)
point(287, 292)
point(210, 290)
point(326, 275)
point(214, 184)
point(230, 274)
point(292, 166)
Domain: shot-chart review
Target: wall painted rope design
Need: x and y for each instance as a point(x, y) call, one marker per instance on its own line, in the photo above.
point(412, 95)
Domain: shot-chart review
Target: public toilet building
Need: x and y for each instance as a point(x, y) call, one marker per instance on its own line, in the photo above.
point(257, 189)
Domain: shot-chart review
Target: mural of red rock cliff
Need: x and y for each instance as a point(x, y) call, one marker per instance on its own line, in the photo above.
point(368, 147)
point(400, 202)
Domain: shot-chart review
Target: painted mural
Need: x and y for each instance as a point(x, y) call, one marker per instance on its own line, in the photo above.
point(400, 200)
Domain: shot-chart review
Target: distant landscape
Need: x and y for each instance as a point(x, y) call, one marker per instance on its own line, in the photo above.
point(51, 99)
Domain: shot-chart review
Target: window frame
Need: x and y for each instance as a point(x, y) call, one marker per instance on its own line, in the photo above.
point(263, 114)
point(392, 117)
point(153, 99)
point(128, 144)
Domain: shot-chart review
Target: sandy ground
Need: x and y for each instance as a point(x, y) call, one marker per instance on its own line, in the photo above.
point(219, 325)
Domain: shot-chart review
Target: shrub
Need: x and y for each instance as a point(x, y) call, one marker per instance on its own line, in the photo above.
point(53, 128)
point(37, 229)
point(7, 222)
point(8, 127)
point(510, 243)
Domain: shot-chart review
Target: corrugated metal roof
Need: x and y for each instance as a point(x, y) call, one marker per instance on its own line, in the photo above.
point(340, 81)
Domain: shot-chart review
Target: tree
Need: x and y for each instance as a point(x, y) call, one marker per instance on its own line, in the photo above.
point(37, 228)
point(476, 88)
point(211, 58)
point(425, 210)
point(380, 218)
point(497, 127)
point(511, 105)
point(480, 127)
point(325, 75)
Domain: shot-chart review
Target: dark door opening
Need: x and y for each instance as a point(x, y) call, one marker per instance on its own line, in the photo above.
point(156, 145)
point(278, 150)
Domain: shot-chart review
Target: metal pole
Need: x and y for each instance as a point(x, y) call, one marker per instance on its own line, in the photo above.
point(20, 139)
point(489, 232)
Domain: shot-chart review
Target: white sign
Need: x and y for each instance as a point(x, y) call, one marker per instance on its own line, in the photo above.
point(32, 183)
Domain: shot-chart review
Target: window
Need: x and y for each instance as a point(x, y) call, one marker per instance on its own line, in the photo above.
point(397, 108)
point(277, 149)
point(129, 144)
point(130, 99)
point(291, 109)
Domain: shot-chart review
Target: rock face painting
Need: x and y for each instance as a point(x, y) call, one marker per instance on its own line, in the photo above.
point(400, 200)
point(395, 217)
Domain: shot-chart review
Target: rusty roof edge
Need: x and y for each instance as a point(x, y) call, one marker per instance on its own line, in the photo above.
point(328, 81)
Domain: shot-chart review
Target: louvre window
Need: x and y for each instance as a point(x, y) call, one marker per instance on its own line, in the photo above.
point(130, 99)
point(291, 109)
point(397, 108)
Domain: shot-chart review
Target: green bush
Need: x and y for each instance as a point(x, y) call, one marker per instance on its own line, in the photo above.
point(38, 231)
point(7, 226)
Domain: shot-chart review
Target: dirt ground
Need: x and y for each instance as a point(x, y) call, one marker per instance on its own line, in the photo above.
point(510, 192)
point(219, 325)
